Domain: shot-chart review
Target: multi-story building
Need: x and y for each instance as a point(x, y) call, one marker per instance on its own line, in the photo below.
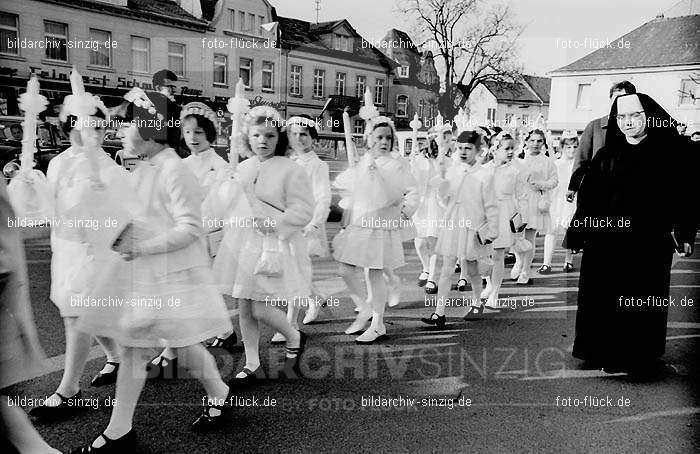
point(114, 44)
point(660, 58)
point(328, 66)
point(239, 44)
point(519, 104)
point(416, 85)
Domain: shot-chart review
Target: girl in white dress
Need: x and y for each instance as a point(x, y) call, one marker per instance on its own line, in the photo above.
point(198, 133)
point(20, 352)
point(427, 170)
point(511, 197)
point(540, 174)
point(301, 132)
point(380, 200)
point(562, 210)
point(471, 221)
point(72, 177)
point(157, 290)
point(257, 262)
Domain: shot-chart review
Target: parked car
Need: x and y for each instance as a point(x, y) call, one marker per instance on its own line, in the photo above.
point(48, 144)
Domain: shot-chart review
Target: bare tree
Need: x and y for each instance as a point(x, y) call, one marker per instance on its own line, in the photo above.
point(474, 40)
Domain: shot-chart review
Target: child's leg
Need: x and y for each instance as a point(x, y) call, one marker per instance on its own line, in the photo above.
point(446, 273)
point(496, 276)
point(549, 240)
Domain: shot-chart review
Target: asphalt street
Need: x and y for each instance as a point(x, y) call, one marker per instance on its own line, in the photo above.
point(498, 383)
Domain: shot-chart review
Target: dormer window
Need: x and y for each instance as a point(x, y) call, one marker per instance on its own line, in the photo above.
point(342, 42)
point(403, 71)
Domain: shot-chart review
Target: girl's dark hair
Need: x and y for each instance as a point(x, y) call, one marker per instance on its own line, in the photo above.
point(68, 125)
point(310, 129)
point(282, 140)
point(386, 125)
point(570, 140)
point(163, 126)
point(472, 137)
point(204, 123)
point(539, 132)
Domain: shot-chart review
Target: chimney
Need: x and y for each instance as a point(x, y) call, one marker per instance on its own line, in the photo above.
point(660, 16)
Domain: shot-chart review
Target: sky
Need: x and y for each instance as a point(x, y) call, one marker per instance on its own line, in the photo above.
point(552, 27)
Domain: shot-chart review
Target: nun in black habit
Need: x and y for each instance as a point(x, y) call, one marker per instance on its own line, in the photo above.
point(636, 203)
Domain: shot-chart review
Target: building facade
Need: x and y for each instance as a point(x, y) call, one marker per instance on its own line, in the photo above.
point(115, 45)
point(660, 58)
point(242, 43)
point(416, 85)
point(328, 66)
point(522, 104)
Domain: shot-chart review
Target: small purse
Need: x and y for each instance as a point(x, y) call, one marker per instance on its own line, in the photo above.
point(214, 239)
point(516, 223)
point(270, 261)
point(482, 232)
point(544, 202)
point(522, 245)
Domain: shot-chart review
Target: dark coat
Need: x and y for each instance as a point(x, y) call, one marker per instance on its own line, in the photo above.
point(592, 140)
point(633, 198)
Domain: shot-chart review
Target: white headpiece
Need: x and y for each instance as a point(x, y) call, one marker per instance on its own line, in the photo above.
point(81, 104)
point(198, 108)
point(370, 114)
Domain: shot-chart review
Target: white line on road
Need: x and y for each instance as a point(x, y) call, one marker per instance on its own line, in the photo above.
point(656, 414)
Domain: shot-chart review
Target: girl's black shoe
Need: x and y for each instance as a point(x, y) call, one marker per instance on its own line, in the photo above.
point(431, 288)
point(250, 378)
point(436, 320)
point(164, 369)
point(206, 421)
point(568, 268)
point(458, 268)
point(462, 285)
point(545, 269)
point(123, 444)
point(106, 379)
point(228, 344)
point(68, 407)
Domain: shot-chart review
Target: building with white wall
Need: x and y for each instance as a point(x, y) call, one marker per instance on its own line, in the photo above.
point(661, 58)
point(506, 104)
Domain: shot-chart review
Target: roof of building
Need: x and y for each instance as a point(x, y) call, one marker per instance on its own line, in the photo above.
point(400, 39)
point(297, 33)
point(532, 89)
point(541, 85)
point(661, 42)
point(155, 11)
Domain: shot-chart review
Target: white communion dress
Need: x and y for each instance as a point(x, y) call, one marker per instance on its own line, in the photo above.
point(562, 211)
point(166, 296)
point(539, 168)
point(380, 196)
point(89, 197)
point(279, 189)
point(470, 201)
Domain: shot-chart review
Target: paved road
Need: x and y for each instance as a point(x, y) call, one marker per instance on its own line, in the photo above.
point(488, 385)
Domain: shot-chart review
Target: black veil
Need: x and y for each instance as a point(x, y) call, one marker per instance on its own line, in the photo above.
point(660, 125)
